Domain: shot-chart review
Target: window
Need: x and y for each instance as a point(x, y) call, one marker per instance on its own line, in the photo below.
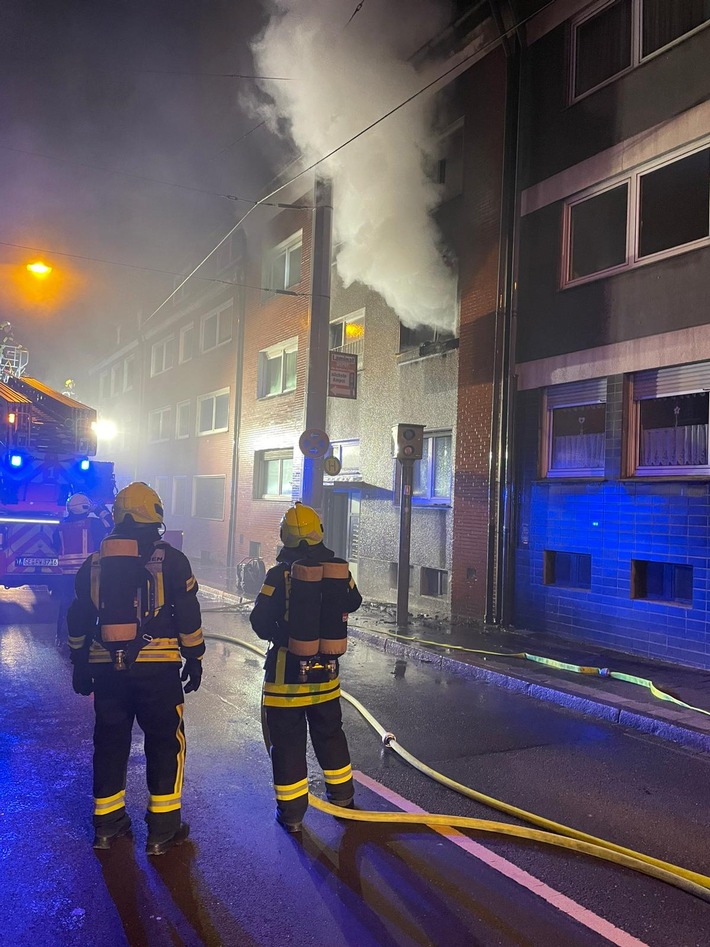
point(348, 453)
point(421, 336)
point(162, 356)
point(449, 167)
point(283, 264)
point(182, 420)
point(103, 385)
point(615, 36)
point(602, 46)
point(254, 549)
point(129, 373)
point(572, 570)
point(213, 412)
point(659, 209)
point(598, 232)
point(181, 496)
point(274, 474)
point(668, 421)
point(662, 582)
point(162, 488)
point(434, 582)
point(187, 342)
point(394, 575)
point(574, 426)
point(159, 425)
point(432, 474)
point(348, 335)
point(208, 497)
point(277, 369)
point(673, 204)
point(216, 329)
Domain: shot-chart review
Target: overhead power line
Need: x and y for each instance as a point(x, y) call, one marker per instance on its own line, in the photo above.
point(212, 75)
point(265, 200)
point(139, 177)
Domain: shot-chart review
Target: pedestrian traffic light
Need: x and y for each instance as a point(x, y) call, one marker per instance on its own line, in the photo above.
point(408, 441)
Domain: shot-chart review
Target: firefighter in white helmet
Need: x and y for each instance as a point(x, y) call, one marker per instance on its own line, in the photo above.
point(301, 684)
point(79, 534)
point(134, 619)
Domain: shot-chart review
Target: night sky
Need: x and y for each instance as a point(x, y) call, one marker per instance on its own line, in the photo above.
point(98, 85)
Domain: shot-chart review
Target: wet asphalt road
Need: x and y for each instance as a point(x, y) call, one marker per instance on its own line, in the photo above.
point(242, 881)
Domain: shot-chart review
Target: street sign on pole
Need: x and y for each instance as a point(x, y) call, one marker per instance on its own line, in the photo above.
point(314, 443)
point(342, 375)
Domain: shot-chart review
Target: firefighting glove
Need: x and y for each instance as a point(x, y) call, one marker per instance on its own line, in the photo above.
point(192, 673)
point(81, 680)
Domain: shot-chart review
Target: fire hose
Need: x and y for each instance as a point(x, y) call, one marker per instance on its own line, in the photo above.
point(549, 832)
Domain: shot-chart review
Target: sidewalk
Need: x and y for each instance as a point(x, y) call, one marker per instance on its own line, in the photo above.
point(434, 643)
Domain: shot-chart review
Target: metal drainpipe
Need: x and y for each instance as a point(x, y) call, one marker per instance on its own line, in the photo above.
point(499, 505)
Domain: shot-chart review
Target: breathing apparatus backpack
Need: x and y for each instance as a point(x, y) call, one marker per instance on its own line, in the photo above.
point(126, 599)
point(318, 618)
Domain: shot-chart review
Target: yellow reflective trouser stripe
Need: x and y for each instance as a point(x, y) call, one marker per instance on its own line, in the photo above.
point(110, 803)
point(286, 793)
point(337, 776)
point(164, 803)
point(171, 801)
point(77, 643)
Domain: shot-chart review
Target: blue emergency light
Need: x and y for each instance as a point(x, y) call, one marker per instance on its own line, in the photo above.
point(16, 460)
point(84, 464)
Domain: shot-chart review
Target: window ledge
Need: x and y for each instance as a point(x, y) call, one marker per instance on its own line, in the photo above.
point(590, 479)
point(667, 478)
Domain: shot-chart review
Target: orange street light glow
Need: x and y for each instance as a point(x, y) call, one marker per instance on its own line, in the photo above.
point(39, 269)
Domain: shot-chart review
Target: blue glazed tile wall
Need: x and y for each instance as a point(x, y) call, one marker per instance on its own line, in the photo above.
point(615, 521)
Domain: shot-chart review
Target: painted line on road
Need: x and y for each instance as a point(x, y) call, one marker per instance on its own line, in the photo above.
point(558, 900)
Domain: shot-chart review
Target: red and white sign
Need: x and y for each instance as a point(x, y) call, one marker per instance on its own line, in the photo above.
point(342, 375)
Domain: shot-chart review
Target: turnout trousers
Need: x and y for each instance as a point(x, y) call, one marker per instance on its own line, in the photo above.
point(151, 694)
point(291, 711)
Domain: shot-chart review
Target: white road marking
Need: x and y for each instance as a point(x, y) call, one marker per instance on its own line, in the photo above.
point(558, 900)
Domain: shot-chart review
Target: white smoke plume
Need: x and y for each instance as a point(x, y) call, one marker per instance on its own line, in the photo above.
point(344, 76)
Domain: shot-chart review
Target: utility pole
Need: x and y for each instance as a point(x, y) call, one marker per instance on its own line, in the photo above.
point(318, 337)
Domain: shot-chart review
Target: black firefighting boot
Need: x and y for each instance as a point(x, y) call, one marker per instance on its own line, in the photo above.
point(293, 828)
point(106, 833)
point(155, 846)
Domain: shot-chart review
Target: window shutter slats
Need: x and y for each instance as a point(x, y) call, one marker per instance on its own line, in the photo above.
point(590, 391)
point(676, 380)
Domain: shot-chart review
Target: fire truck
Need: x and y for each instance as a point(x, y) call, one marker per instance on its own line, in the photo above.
point(47, 443)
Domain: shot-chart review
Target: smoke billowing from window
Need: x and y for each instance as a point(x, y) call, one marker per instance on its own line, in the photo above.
point(344, 76)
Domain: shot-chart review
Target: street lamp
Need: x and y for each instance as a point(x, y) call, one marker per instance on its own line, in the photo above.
point(39, 269)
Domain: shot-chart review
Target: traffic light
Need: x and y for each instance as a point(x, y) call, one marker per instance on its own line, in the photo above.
point(408, 441)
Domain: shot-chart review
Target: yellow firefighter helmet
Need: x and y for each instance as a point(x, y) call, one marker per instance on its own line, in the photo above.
point(301, 524)
point(78, 504)
point(140, 502)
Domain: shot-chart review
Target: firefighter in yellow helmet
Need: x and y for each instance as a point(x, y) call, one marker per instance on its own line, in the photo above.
point(302, 611)
point(134, 618)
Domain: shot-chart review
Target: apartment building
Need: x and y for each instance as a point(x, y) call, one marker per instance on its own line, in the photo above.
point(613, 342)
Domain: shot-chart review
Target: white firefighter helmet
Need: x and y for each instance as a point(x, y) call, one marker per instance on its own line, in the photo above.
point(78, 504)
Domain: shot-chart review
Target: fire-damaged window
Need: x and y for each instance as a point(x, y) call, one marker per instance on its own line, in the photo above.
point(615, 35)
point(660, 209)
point(573, 429)
point(449, 165)
point(668, 421)
point(273, 473)
point(208, 497)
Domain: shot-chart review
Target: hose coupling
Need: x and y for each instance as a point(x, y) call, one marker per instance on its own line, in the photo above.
point(388, 738)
